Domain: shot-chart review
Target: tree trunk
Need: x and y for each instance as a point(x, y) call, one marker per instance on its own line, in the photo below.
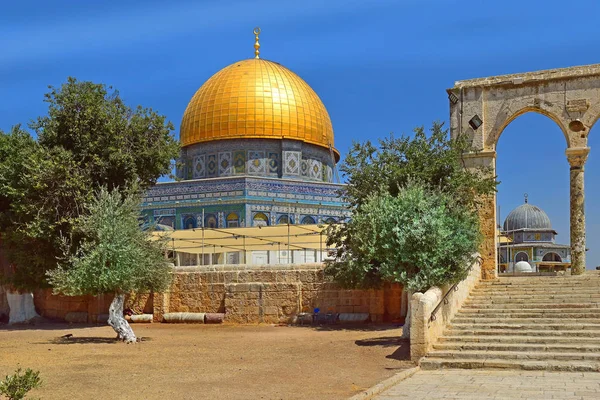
point(406, 326)
point(117, 322)
point(22, 309)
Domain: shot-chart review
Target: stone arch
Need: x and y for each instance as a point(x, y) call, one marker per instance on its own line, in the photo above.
point(480, 109)
point(497, 132)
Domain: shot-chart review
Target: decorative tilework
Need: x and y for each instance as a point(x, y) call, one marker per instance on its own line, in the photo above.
point(239, 162)
point(304, 167)
point(291, 162)
point(315, 169)
point(256, 162)
point(225, 164)
point(199, 166)
point(211, 165)
point(188, 168)
point(273, 163)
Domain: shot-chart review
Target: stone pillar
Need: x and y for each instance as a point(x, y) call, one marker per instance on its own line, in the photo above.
point(487, 215)
point(577, 157)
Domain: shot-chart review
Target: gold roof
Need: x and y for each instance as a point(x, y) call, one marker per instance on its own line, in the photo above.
point(256, 98)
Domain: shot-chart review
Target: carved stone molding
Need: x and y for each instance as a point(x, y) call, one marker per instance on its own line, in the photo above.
point(577, 156)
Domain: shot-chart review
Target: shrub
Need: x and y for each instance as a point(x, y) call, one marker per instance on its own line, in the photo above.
point(16, 386)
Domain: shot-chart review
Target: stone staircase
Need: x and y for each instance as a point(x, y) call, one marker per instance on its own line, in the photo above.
point(532, 323)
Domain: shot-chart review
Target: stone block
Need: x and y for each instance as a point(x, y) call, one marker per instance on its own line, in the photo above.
point(76, 317)
point(271, 310)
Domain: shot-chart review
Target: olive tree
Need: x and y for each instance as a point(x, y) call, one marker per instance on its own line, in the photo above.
point(420, 238)
point(414, 212)
point(88, 139)
point(116, 257)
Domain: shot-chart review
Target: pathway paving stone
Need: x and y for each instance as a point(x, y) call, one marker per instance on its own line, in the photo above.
point(495, 384)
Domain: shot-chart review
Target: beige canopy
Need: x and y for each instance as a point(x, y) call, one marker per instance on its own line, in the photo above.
point(279, 237)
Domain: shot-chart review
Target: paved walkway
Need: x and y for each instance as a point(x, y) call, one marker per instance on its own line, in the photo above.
point(492, 384)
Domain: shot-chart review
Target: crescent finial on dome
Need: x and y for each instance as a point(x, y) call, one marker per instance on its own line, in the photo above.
point(256, 44)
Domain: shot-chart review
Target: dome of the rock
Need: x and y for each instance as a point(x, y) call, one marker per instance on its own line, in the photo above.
point(256, 99)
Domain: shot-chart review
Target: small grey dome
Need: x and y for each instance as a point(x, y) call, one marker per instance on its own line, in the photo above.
point(527, 216)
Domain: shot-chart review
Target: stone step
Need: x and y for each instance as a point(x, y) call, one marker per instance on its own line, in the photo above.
point(518, 347)
point(429, 363)
point(516, 339)
point(533, 300)
point(537, 290)
point(528, 321)
point(545, 296)
point(528, 305)
point(469, 330)
point(559, 285)
point(515, 355)
point(541, 280)
point(525, 326)
point(490, 313)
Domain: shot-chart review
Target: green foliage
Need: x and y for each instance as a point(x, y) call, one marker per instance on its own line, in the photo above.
point(89, 139)
point(414, 212)
point(16, 386)
point(115, 256)
point(42, 193)
point(434, 160)
point(117, 145)
point(420, 238)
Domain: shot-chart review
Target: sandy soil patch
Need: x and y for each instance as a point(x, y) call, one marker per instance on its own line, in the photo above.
point(205, 361)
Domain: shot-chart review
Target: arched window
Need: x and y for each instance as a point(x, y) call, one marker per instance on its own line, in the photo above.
point(329, 220)
point(189, 222)
point(521, 256)
point(260, 219)
point(210, 221)
point(553, 257)
point(308, 220)
point(233, 220)
point(284, 220)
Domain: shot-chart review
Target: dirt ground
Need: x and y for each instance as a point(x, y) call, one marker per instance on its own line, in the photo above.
point(205, 361)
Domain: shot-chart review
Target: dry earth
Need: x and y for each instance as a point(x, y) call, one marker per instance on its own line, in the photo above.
point(205, 362)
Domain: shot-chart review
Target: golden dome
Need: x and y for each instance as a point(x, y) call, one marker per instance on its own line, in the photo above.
point(256, 98)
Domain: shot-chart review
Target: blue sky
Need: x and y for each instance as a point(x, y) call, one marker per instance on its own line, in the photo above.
point(379, 66)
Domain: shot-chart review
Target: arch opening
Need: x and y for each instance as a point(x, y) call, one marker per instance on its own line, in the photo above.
point(497, 133)
point(531, 160)
point(552, 257)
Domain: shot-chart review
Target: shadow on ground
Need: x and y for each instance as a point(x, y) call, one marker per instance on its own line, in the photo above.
point(402, 353)
point(47, 325)
point(89, 340)
point(351, 327)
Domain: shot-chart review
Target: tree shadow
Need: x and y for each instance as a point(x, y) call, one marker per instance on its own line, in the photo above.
point(90, 340)
point(47, 325)
point(402, 353)
point(362, 327)
point(84, 340)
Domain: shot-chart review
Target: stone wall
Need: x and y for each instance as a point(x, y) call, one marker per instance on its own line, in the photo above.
point(271, 294)
point(423, 331)
point(247, 294)
point(57, 307)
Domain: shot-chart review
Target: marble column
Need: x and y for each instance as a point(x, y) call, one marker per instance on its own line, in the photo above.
point(577, 157)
